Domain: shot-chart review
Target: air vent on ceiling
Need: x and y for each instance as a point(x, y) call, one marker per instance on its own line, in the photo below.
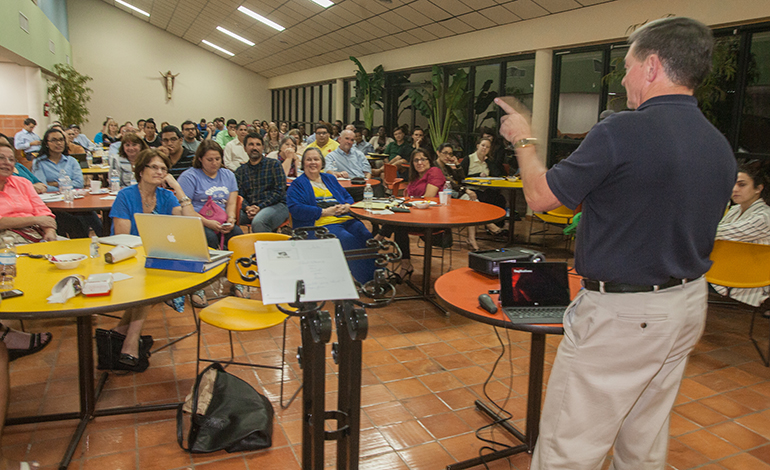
point(23, 22)
point(51, 47)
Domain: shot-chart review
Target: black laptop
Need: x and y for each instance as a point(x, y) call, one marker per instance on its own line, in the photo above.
point(534, 292)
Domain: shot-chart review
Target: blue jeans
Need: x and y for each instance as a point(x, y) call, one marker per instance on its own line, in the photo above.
point(353, 235)
point(269, 218)
point(213, 238)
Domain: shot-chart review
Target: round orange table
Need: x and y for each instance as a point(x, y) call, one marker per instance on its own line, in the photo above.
point(459, 290)
point(458, 213)
point(89, 202)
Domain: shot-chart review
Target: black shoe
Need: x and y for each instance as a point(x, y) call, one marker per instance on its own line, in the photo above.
point(37, 342)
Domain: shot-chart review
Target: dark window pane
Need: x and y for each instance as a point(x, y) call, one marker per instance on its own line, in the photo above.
point(754, 135)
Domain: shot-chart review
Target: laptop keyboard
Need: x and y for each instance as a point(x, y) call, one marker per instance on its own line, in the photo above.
point(535, 314)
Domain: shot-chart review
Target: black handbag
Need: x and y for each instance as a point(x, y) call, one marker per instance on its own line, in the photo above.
point(238, 418)
point(108, 346)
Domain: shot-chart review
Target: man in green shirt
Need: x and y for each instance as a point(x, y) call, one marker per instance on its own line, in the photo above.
point(226, 136)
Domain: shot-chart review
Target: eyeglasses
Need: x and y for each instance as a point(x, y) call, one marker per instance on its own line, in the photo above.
point(170, 141)
point(159, 168)
point(55, 141)
point(447, 152)
point(7, 159)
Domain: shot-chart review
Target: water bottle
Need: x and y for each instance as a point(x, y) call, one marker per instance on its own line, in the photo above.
point(114, 181)
point(94, 248)
point(65, 187)
point(368, 197)
point(7, 263)
point(90, 160)
point(446, 194)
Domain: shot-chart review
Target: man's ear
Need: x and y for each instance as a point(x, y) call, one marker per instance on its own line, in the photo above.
point(653, 67)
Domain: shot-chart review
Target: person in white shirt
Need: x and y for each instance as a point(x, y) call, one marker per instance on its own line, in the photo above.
point(27, 140)
point(235, 152)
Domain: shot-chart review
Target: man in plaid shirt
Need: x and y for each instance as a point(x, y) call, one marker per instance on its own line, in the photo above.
point(262, 184)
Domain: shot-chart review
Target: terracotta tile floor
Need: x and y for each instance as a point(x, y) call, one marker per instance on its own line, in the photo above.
point(421, 373)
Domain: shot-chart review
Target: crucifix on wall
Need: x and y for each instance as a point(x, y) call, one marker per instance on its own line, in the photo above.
point(169, 83)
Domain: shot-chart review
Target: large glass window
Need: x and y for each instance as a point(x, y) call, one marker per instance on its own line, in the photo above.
point(754, 136)
point(486, 88)
point(520, 81)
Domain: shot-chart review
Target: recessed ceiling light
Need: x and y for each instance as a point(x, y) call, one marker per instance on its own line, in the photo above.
point(232, 34)
point(217, 48)
point(260, 18)
point(323, 3)
point(127, 5)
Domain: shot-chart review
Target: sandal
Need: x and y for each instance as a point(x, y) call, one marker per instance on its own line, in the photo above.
point(203, 303)
point(177, 303)
point(36, 343)
point(239, 290)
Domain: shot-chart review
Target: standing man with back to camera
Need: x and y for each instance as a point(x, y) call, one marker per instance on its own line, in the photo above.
point(654, 183)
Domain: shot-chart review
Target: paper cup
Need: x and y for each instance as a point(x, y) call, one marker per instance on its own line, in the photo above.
point(96, 186)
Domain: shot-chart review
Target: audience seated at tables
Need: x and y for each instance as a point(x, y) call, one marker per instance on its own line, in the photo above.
point(130, 146)
point(453, 172)
point(147, 196)
point(25, 218)
point(235, 153)
point(208, 180)
point(225, 136)
point(262, 184)
point(425, 181)
point(73, 147)
point(181, 158)
point(323, 140)
point(112, 133)
point(479, 163)
point(348, 162)
point(126, 128)
point(151, 133)
point(747, 221)
point(317, 199)
point(288, 156)
point(361, 144)
point(47, 167)
point(27, 140)
point(381, 140)
point(272, 139)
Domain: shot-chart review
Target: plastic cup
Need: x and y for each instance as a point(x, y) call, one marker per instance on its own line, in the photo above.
point(96, 186)
point(443, 198)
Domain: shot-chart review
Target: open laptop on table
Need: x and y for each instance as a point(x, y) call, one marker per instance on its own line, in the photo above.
point(534, 292)
point(176, 237)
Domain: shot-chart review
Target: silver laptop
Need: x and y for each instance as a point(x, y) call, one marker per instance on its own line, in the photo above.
point(534, 292)
point(175, 237)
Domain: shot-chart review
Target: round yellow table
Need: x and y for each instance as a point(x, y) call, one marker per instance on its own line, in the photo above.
point(510, 185)
point(36, 278)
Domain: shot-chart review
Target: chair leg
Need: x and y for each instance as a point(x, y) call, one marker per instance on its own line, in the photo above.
point(765, 357)
point(283, 363)
point(187, 335)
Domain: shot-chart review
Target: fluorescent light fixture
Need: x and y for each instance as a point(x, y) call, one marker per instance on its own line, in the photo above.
point(261, 18)
point(233, 35)
point(326, 3)
point(128, 5)
point(217, 48)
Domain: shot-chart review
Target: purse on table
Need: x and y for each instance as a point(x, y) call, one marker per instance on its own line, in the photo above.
point(236, 418)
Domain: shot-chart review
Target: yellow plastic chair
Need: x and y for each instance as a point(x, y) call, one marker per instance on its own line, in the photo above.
point(244, 314)
point(560, 217)
point(740, 265)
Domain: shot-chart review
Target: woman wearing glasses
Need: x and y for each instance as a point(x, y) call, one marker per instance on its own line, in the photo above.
point(48, 166)
point(148, 197)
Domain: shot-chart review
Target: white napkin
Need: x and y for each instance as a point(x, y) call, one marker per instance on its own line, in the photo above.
point(66, 289)
point(383, 212)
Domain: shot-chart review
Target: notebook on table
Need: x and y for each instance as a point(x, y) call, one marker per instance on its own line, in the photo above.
point(534, 292)
point(177, 243)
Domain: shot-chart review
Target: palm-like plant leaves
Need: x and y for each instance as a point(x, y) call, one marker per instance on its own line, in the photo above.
point(368, 91)
point(69, 94)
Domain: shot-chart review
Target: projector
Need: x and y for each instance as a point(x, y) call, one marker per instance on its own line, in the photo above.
point(488, 261)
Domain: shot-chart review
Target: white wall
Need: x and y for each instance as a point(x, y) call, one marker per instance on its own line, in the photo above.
point(124, 55)
point(24, 91)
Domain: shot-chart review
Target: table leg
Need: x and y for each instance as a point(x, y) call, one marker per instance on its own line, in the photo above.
point(534, 393)
point(511, 216)
point(427, 262)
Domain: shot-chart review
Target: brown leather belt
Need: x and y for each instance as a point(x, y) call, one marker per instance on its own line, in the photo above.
point(620, 288)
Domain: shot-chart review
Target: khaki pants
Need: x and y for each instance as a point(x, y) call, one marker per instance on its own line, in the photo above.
point(616, 376)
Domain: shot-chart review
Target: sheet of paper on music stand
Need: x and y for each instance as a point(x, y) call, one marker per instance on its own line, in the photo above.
point(320, 263)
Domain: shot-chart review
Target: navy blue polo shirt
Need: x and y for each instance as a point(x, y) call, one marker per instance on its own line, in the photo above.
point(654, 184)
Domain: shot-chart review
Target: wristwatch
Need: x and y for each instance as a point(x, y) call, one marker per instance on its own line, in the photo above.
point(527, 142)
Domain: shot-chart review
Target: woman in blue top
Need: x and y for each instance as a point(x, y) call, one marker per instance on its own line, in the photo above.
point(207, 179)
point(147, 196)
point(317, 199)
point(47, 167)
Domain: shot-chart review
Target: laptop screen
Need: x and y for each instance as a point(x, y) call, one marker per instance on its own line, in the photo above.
point(541, 284)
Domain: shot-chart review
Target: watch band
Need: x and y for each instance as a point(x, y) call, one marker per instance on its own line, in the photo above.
point(527, 142)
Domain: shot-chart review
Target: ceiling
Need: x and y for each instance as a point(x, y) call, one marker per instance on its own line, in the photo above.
point(316, 36)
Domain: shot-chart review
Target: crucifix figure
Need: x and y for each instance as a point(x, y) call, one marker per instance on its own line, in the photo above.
point(169, 82)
